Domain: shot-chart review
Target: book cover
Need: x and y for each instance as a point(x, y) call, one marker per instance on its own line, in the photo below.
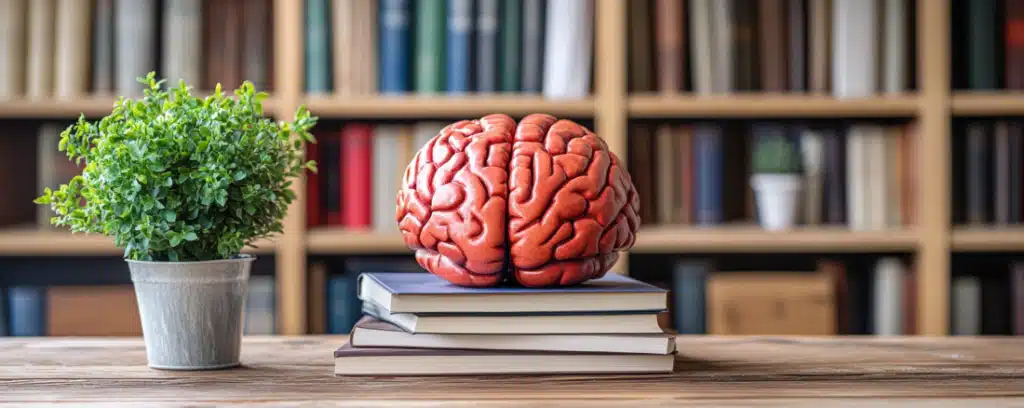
point(400, 283)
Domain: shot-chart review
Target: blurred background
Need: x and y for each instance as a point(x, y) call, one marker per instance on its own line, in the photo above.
point(804, 166)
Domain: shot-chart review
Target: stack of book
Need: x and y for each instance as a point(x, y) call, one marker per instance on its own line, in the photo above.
point(419, 324)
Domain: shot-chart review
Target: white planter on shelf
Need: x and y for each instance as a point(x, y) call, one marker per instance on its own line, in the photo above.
point(778, 199)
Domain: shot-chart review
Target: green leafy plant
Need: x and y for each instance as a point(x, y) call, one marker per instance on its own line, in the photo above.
point(176, 177)
point(776, 155)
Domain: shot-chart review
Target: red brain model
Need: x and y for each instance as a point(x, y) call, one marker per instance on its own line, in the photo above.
point(542, 202)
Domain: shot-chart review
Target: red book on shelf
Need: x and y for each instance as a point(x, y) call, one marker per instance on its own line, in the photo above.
point(313, 184)
point(1014, 39)
point(356, 174)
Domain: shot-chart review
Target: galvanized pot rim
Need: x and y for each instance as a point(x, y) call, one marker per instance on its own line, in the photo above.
point(237, 258)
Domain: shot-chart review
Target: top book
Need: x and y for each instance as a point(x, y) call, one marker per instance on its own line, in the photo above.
point(427, 293)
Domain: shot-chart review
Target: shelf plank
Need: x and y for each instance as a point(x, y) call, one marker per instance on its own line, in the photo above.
point(342, 242)
point(753, 239)
point(980, 239)
point(31, 242)
point(91, 107)
point(987, 103)
point(770, 106)
point(663, 239)
point(471, 106)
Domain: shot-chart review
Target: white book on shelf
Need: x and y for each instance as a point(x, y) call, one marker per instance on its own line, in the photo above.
point(12, 48)
point(854, 48)
point(894, 72)
point(40, 51)
point(72, 45)
point(423, 132)
point(183, 42)
point(701, 46)
point(812, 152)
point(386, 180)
point(568, 48)
point(966, 306)
point(723, 74)
point(888, 299)
point(136, 38)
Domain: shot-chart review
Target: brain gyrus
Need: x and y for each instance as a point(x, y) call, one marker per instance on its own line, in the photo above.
point(541, 203)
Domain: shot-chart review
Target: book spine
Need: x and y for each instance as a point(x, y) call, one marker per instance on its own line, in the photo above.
point(72, 48)
point(1014, 39)
point(12, 48)
point(981, 39)
point(259, 305)
point(183, 42)
point(136, 41)
point(344, 309)
point(533, 45)
point(510, 61)
point(27, 310)
point(567, 48)
point(357, 175)
point(430, 31)
point(708, 166)
point(394, 46)
point(318, 47)
point(39, 54)
point(458, 75)
point(487, 45)
point(257, 42)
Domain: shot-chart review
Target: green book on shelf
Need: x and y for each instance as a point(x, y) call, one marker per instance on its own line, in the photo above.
point(318, 46)
point(430, 30)
point(511, 44)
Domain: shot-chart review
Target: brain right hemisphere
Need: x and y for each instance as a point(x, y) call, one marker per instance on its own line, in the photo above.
point(539, 203)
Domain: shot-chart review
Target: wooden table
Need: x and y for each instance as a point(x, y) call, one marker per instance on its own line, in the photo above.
point(710, 371)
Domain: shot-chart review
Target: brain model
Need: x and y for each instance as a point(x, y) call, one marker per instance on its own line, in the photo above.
point(540, 203)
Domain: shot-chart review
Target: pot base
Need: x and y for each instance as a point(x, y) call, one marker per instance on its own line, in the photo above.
point(196, 368)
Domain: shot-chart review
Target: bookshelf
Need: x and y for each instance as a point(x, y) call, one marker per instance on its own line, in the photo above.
point(932, 105)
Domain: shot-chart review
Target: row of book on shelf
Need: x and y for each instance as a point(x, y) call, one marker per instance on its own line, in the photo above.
point(839, 296)
point(722, 46)
point(105, 309)
point(68, 48)
point(862, 176)
point(987, 50)
point(449, 46)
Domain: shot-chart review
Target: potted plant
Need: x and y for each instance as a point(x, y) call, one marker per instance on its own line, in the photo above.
point(776, 181)
point(183, 184)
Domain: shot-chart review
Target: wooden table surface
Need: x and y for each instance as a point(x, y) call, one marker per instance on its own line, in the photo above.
point(710, 371)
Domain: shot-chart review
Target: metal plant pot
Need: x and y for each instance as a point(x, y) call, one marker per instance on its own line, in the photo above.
point(192, 312)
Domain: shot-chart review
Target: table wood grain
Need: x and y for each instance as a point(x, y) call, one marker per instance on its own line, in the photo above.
point(710, 371)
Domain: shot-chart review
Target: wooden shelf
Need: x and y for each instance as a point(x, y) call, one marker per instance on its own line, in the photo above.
point(91, 107)
point(472, 106)
point(341, 241)
point(776, 106)
point(978, 239)
point(754, 239)
point(662, 239)
point(987, 103)
point(31, 242)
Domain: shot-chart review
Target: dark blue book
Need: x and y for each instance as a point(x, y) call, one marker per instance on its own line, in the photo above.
point(343, 306)
point(395, 49)
point(428, 293)
point(458, 47)
point(689, 281)
point(707, 143)
point(26, 310)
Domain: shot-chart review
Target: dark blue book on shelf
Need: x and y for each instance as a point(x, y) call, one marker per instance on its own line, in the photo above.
point(395, 49)
point(344, 308)
point(458, 46)
point(428, 293)
point(689, 281)
point(26, 310)
point(707, 144)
